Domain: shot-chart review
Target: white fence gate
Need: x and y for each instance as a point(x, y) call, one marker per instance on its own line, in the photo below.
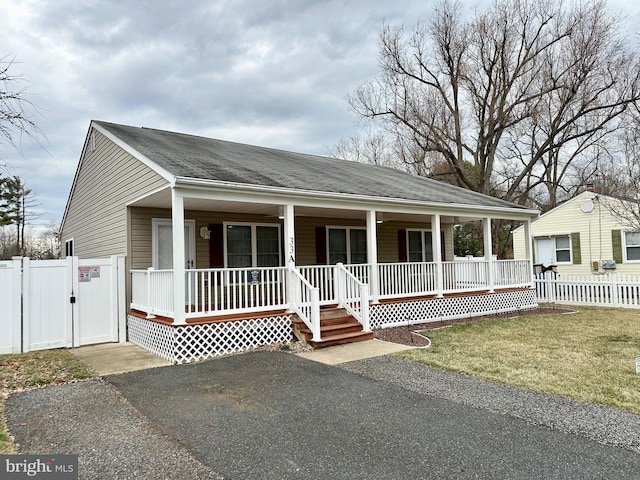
point(61, 303)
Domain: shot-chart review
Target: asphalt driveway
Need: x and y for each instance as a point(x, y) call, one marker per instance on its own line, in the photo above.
point(271, 415)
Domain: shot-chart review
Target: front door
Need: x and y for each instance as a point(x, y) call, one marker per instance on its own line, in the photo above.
point(544, 251)
point(162, 246)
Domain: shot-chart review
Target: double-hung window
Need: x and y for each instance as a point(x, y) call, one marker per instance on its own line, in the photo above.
point(347, 245)
point(252, 245)
point(631, 246)
point(553, 250)
point(419, 246)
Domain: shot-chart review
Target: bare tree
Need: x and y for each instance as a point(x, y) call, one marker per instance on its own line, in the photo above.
point(511, 99)
point(16, 110)
point(621, 179)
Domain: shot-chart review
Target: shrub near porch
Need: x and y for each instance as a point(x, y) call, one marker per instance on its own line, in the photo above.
point(589, 355)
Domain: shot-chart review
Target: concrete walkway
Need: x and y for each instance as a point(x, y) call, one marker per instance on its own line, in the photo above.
point(112, 358)
point(354, 351)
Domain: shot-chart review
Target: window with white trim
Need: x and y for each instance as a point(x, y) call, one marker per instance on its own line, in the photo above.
point(553, 250)
point(631, 246)
point(252, 245)
point(347, 245)
point(419, 246)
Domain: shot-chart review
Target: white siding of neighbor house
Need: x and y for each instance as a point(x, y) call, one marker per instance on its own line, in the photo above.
point(595, 235)
point(107, 179)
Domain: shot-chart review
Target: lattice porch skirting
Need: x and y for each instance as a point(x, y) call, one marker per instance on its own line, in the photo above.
point(190, 343)
point(386, 315)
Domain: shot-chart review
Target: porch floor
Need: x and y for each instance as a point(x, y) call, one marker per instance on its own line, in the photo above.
point(269, 313)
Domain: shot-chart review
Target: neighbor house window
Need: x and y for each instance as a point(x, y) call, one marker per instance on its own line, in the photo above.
point(419, 246)
point(563, 249)
point(632, 246)
point(347, 245)
point(553, 250)
point(252, 245)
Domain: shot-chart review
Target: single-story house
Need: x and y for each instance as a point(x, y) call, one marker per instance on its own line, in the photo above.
point(230, 246)
point(581, 237)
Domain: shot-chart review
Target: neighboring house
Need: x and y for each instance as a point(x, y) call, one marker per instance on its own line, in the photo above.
point(582, 237)
point(253, 240)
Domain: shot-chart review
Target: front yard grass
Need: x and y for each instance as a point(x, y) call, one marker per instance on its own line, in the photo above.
point(589, 355)
point(35, 369)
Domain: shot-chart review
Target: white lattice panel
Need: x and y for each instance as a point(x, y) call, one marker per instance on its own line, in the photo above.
point(199, 342)
point(191, 343)
point(450, 308)
point(153, 337)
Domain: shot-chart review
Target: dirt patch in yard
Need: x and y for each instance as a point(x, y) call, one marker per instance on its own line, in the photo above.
point(406, 335)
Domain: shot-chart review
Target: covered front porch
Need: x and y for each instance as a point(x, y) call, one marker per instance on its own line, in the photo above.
point(384, 262)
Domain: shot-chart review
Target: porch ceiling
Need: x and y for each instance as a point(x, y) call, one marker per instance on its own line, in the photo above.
point(162, 199)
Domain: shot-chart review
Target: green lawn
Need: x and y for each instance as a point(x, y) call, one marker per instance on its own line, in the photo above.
point(588, 356)
point(27, 370)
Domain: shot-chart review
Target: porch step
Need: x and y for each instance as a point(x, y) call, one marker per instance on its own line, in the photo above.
point(336, 328)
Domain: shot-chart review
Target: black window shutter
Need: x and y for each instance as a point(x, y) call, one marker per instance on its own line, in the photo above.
point(216, 246)
point(402, 245)
point(321, 246)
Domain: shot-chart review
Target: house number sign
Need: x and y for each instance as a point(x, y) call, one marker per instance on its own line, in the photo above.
point(292, 250)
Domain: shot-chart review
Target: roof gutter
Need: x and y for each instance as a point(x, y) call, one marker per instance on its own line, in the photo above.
point(280, 191)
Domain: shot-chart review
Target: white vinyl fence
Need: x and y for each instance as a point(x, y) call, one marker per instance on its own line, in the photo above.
point(61, 303)
point(611, 290)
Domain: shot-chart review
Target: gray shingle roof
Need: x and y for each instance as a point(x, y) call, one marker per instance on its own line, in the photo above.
point(206, 158)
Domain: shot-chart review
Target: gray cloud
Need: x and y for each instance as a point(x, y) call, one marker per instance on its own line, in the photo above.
point(272, 73)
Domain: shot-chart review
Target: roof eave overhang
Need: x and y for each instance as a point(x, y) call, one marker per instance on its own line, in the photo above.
point(290, 193)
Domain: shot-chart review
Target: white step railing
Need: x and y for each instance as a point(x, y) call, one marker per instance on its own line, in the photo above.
point(322, 277)
point(305, 302)
point(223, 291)
point(353, 295)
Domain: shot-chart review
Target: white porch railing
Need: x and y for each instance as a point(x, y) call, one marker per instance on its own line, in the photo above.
point(353, 295)
point(465, 276)
point(211, 292)
point(223, 291)
point(152, 292)
point(406, 279)
point(512, 273)
point(305, 302)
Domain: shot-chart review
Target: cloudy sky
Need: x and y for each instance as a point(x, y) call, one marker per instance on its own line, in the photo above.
point(265, 72)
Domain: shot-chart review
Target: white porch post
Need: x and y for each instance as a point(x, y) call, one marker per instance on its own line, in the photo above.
point(372, 255)
point(528, 250)
point(179, 260)
point(436, 242)
point(289, 248)
point(488, 252)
